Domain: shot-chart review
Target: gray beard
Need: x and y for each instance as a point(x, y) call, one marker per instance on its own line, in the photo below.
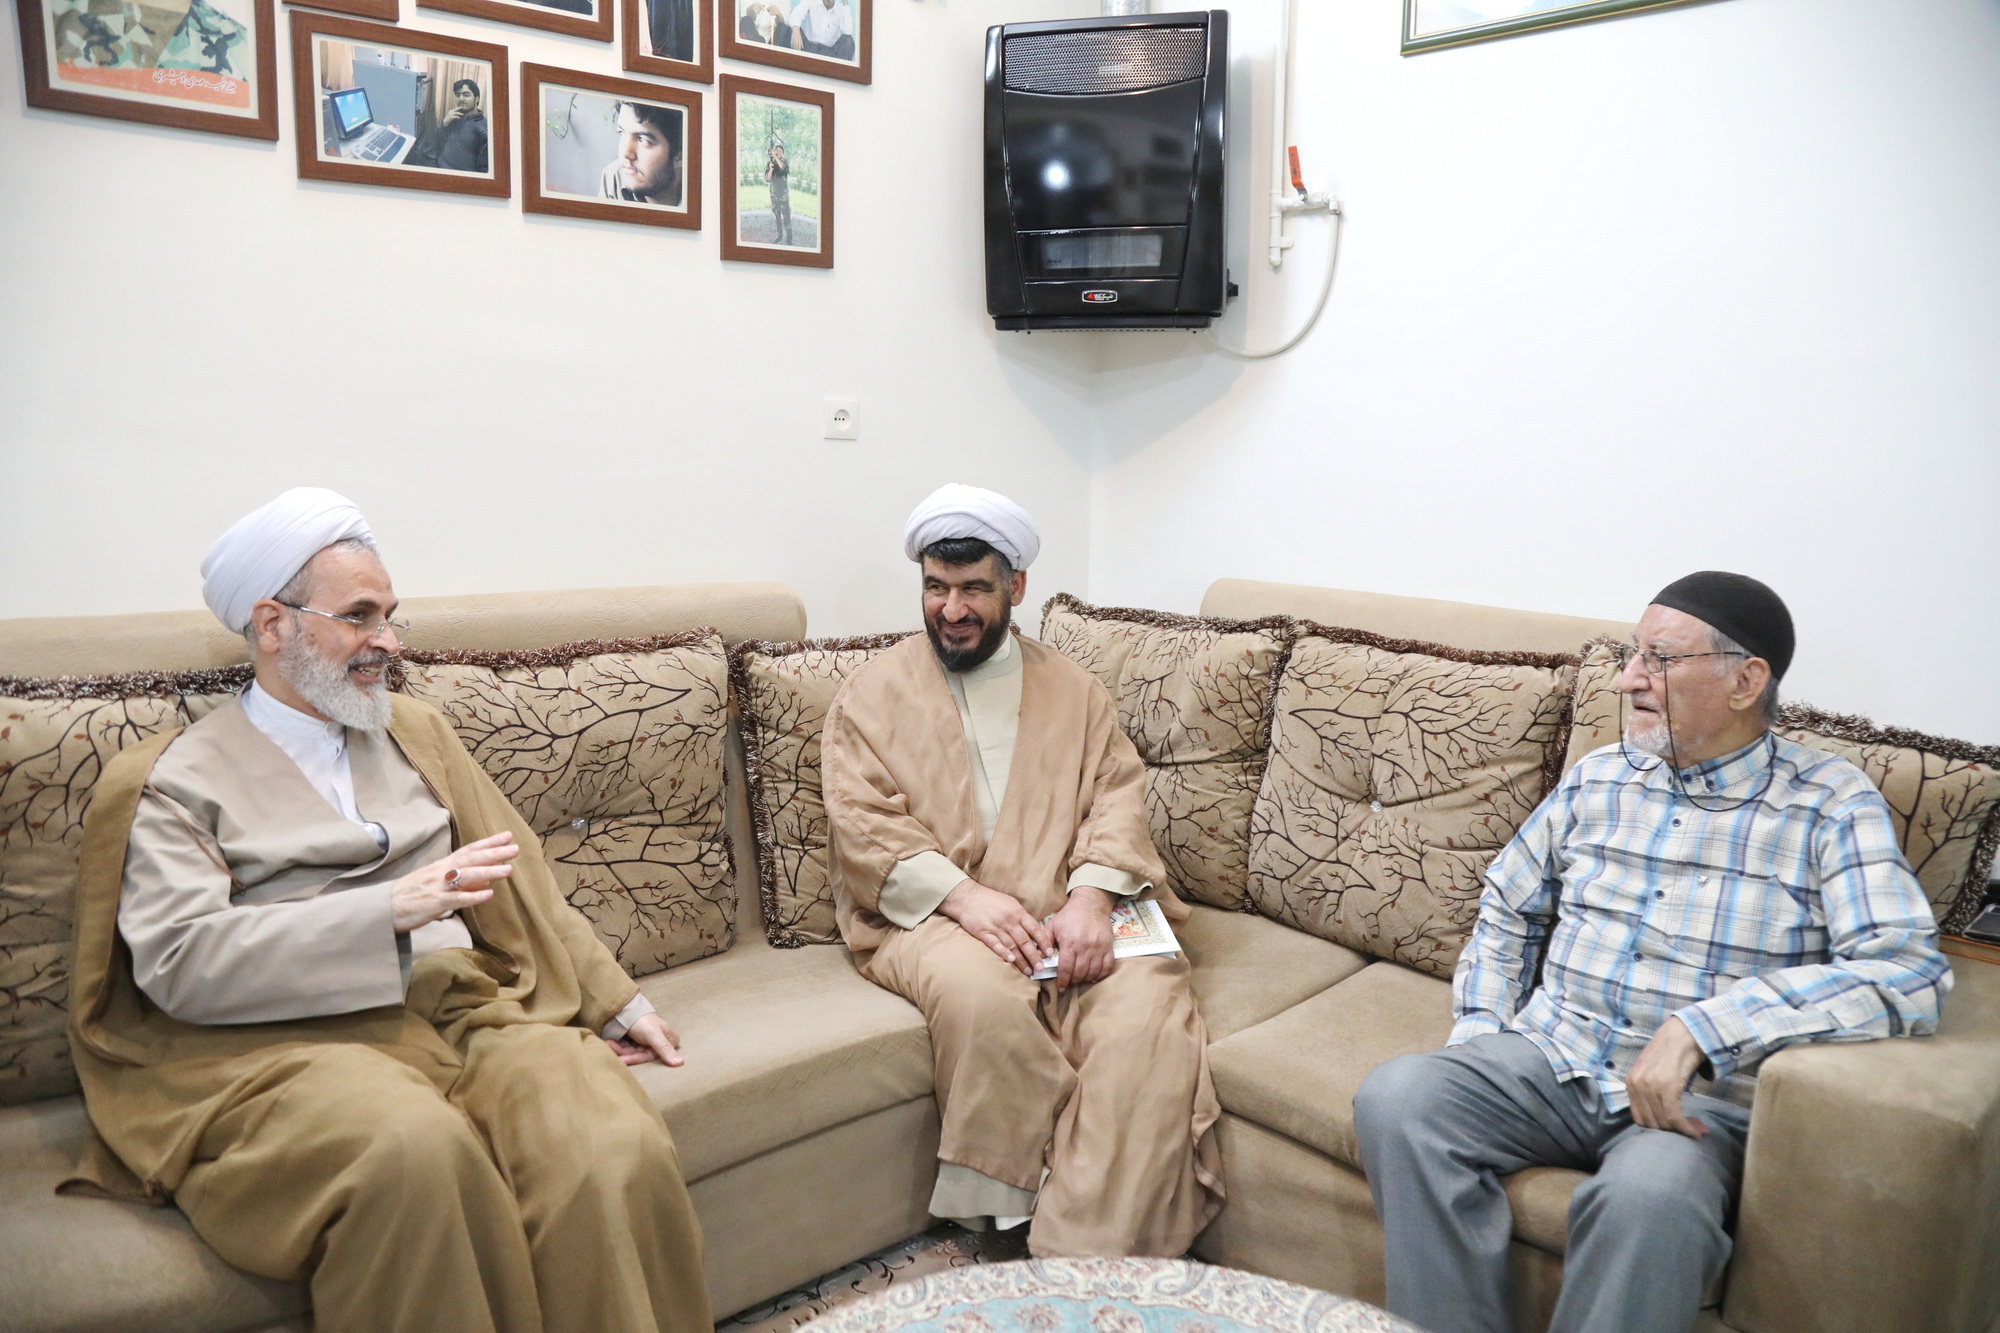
point(323, 683)
point(1648, 739)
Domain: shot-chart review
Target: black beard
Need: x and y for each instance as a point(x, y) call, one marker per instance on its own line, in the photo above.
point(965, 659)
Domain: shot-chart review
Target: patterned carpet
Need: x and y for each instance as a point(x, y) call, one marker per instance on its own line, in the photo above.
point(945, 1246)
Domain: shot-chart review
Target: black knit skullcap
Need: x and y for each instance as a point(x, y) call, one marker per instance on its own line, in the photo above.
point(1741, 607)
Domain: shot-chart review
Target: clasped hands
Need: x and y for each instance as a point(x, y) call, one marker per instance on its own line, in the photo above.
point(1080, 932)
point(430, 893)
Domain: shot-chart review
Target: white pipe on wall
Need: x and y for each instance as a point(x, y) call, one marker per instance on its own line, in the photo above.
point(1119, 8)
point(1281, 126)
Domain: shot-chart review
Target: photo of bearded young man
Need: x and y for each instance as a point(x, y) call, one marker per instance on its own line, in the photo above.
point(601, 150)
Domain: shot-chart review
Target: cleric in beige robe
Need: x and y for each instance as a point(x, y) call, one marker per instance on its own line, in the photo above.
point(985, 809)
point(330, 1001)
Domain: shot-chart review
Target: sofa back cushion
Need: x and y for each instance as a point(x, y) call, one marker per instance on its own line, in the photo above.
point(55, 738)
point(784, 691)
point(1943, 794)
point(1194, 694)
point(1397, 770)
point(613, 752)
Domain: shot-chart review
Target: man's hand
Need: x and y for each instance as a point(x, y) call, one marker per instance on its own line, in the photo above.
point(1660, 1075)
point(998, 921)
point(651, 1038)
point(423, 896)
point(1083, 934)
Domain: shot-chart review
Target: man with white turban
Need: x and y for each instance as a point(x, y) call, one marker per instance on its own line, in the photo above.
point(330, 1001)
point(985, 810)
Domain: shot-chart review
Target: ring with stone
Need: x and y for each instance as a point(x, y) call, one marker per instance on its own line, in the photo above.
point(451, 879)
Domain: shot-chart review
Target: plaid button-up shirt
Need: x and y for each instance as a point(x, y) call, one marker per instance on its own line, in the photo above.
point(1790, 917)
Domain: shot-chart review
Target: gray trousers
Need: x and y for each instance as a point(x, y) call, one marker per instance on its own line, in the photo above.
point(1647, 1231)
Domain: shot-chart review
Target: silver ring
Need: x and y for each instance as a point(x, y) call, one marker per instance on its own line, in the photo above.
point(451, 879)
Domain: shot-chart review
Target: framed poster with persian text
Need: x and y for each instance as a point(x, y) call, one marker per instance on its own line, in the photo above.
point(193, 64)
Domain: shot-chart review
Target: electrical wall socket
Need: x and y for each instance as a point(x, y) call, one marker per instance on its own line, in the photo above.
point(843, 418)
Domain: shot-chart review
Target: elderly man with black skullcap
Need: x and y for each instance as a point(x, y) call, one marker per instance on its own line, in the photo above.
point(985, 809)
point(329, 999)
point(1685, 903)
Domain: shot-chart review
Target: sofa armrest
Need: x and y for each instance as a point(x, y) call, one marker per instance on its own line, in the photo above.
point(1871, 1191)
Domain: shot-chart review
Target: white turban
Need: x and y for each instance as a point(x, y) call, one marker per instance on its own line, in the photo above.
point(263, 549)
point(954, 511)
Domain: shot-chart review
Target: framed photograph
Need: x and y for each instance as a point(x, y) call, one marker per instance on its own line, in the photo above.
point(194, 64)
point(388, 106)
point(613, 149)
point(388, 11)
point(577, 18)
point(830, 37)
point(673, 38)
point(1431, 24)
point(777, 173)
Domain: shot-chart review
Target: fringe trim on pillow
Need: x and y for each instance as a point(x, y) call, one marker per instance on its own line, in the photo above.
point(1558, 747)
point(561, 654)
point(752, 732)
point(131, 684)
point(1281, 628)
point(234, 679)
point(1858, 730)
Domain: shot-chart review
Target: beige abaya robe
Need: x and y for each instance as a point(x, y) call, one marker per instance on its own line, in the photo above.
point(1096, 1102)
point(458, 1153)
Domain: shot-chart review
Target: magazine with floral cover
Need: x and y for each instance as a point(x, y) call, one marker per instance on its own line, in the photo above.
point(1138, 929)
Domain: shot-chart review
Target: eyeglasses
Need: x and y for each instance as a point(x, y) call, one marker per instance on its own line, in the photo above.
point(1656, 663)
point(368, 626)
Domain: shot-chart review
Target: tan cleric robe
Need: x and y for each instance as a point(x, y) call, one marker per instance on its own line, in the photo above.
point(459, 1153)
point(1093, 1103)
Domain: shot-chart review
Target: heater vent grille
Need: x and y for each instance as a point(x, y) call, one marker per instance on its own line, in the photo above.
point(1117, 60)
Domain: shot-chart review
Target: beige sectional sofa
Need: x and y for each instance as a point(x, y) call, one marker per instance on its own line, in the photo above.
point(804, 1116)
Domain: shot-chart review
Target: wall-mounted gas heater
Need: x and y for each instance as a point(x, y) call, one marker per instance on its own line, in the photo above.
point(1104, 143)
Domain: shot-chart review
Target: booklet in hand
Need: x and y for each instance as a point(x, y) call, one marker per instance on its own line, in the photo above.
point(1138, 928)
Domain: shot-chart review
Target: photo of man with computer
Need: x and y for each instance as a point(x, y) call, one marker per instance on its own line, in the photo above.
point(398, 107)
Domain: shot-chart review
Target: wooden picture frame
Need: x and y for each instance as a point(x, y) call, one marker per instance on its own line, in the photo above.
point(447, 61)
point(737, 19)
point(1423, 32)
point(595, 22)
point(769, 235)
point(239, 97)
point(592, 96)
point(636, 34)
point(384, 11)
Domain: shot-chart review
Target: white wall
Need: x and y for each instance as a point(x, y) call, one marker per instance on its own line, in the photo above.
point(1707, 287)
point(1710, 287)
point(540, 403)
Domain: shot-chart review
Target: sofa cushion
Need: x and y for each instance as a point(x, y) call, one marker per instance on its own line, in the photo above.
point(1194, 694)
point(55, 738)
point(780, 1044)
point(1297, 1073)
point(783, 691)
point(1943, 794)
point(1247, 969)
point(613, 753)
point(87, 1265)
point(1397, 770)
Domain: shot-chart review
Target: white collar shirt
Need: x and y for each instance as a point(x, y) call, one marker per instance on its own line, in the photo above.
point(317, 746)
point(823, 26)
